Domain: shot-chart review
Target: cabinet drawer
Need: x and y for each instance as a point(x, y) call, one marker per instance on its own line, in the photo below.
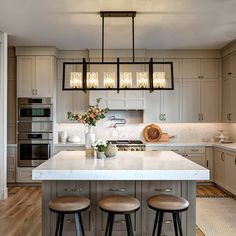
point(155, 148)
point(81, 188)
point(195, 149)
point(176, 149)
point(199, 159)
point(24, 175)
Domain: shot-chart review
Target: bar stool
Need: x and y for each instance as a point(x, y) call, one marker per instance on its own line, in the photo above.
point(167, 203)
point(69, 205)
point(119, 205)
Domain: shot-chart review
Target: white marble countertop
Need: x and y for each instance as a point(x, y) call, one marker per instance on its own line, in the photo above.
point(127, 165)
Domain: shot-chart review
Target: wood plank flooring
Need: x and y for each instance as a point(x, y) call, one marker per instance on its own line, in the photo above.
point(20, 214)
point(210, 191)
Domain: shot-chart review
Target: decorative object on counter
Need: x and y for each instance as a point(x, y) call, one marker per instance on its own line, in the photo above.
point(151, 78)
point(111, 150)
point(89, 118)
point(74, 139)
point(63, 136)
point(100, 146)
point(223, 137)
point(89, 152)
point(152, 133)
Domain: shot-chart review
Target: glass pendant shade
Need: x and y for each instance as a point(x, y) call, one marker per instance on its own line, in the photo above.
point(92, 79)
point(126, 79)
point(142, 79)
point(76, 80)
point(109, 79)
point(159, 79)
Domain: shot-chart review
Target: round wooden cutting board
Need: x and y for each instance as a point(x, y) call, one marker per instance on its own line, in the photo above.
point(152, 133)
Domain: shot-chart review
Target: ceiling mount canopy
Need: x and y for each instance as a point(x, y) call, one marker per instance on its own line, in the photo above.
point(118, 75)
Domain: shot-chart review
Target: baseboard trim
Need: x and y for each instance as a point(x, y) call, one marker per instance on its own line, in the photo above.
point(3, 194)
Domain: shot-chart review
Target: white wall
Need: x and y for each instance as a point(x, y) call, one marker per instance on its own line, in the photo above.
point(3, 116)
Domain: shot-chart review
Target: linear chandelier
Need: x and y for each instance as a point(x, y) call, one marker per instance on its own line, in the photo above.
point(82, 76)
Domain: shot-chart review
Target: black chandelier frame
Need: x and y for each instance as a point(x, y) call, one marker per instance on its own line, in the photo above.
point(150, 64)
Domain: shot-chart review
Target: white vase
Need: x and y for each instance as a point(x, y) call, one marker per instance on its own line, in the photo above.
point(89, 136)
point(100, 155)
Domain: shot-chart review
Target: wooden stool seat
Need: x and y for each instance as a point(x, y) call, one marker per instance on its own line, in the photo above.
point(119, 204)
point(166, 202)
point(69, 204)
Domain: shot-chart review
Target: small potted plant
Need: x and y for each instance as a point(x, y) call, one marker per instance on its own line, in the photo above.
point(100, 146)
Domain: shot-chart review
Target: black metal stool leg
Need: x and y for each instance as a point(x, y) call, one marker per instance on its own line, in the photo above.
point(155, 223)
point(108, 224)
point(179, 224)
point(58, 223)
point(61, 224)
point(175, 223)
point(111, 224)
point(77, 224)
point(160, 223)
point(81, 224)
point(129, 225)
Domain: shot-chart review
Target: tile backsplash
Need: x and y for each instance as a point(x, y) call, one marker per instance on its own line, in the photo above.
point(182, 132)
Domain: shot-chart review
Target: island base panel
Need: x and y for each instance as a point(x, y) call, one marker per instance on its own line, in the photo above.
point(95, 220)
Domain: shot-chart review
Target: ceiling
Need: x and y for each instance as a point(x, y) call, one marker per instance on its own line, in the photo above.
point(159, 24)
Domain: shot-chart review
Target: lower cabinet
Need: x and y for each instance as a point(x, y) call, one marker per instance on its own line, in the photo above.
point(11, 164)
point(230, 173)
point(219, 167)
point(24, 175)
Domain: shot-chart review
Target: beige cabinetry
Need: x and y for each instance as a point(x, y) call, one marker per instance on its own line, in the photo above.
point(200, 100)
point(225, 169)
point(35, 76)
point(230, 172)
point(219, 167)
point(11, 164)
point(24, 175)
point(164, 106)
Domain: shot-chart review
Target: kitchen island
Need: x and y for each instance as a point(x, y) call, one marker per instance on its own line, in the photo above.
point(139, 174)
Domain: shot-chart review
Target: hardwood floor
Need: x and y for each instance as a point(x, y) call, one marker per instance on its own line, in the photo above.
point(20, 214)
point(210, 191)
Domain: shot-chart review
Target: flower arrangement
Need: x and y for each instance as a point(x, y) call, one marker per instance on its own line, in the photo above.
point(91, 116)
point(100, 145)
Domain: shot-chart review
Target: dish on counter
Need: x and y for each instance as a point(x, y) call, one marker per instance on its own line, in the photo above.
point(152, 133)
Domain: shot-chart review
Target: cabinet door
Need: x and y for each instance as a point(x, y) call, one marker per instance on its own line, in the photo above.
point(25, 75)
point(64, 103)
point(232, 115)
point(177, 65)
point(44, 76)
point(233, 65)
point(219, 168)
point(199, 159)
point(226, 71)
point(134, 99)
point(191, 68)
point(152, 111)
point(210, 68)
point(226, 99)
point(116, 101)
point(80, 101)
point(230, 173)
point(191, 100)
point(171, 105)
point(210, 100)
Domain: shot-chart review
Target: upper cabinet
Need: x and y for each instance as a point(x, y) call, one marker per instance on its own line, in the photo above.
point(229, 66)
point(201, 68)
point(35, 76)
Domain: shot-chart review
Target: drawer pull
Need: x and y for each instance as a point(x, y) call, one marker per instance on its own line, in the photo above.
point(167, 221)
point(73, 190)
point(174, 150)
point(117, 189)
point(119, 221)
point(195, 150)
point(69, 221)
point(167, 190)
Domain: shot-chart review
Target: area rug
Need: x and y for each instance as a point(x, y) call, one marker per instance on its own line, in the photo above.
point(217, 216)
point(210, 191)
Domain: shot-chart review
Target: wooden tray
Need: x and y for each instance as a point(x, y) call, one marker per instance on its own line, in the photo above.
point(152, 133)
